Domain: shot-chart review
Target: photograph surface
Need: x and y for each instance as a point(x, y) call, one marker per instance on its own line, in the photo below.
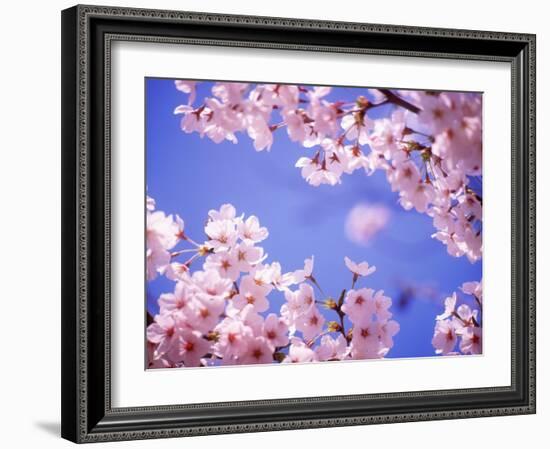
point(290, 223)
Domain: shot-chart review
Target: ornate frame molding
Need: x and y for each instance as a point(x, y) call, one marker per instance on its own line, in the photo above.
point(88, 32)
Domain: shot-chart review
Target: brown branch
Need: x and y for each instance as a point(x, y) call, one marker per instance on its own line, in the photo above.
point(397, 100)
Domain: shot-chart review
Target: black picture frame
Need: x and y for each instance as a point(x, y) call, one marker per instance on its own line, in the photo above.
point(87, 414)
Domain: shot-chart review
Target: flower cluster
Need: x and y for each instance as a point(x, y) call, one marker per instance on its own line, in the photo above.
point(460, 324)
point(429, 147)
point(222, 311)
point(163, 233)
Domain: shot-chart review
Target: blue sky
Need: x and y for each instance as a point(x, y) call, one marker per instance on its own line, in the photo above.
point(189, 176)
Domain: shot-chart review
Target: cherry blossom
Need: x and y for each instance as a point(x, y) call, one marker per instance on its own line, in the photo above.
point(219, 313)
point(250, 230)
point(307, 272)
point(222, 234)
point(163, 233)
point(473, 288)
point(246, 256)
point(226, 264)
point(359, 305)
point(332, 348)
point(258, 351)
point(460, 323)
point(429, 149)
point(450, 307)
point(187, 87)
point(275, 330)
point(163, 333)
point(470, 342)
point(444, 339)
point(299, 352)
point(429, 145)
point(366, 340)
point(251, 293)
point(189, 348)
point(359, 269)
point(365, 221)
point(226, 212)
point(310, 323)
point(233, 338)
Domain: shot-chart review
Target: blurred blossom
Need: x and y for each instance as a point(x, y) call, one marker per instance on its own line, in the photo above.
point(364, 221)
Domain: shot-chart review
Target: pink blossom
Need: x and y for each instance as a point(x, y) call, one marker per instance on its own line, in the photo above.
point(359, 305)
point(209, 282)
point(381, 306)
point(265, 274)
point(365, 342)
point(220, 124)
point(250, 230)
point(295, 124)
point(365, 221)
point(428, 155)
point(230, 93)
point(298, 302)
point(306, 273)
point(356, 127)
point(175, 302)
point(226, 212)
point(324, 117)
point(188, 87)
point(473, 288)
point(226, 264)
point(259, 131)
point(336, 158)
point(163, 233)
point(469, 206)
point(247, 256)
point(233, 339)
point(388, 330)
point(418, 197)
point(157, 261)
point(356, 159)
point(359, 269)
point(404, 176)
point(283, 95)
point(150, 204)
point(332, 348)
point(444, 339)
point(163, 333)
point(470, 342)
point(310, 323)
point(193, 120)
point(258, 352)
point(275, 331)
point(251, 318)
point(175, 270)
point(308, 166)
point(323, 175)
point(387, 135)
point(204, 312)
point(450, 305)
point(222, 234)
point(251, 293)
point(299, 352)
point(465, 316)
point(189, 348)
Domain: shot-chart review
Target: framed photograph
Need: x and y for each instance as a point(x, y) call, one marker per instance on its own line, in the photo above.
point(276, 224)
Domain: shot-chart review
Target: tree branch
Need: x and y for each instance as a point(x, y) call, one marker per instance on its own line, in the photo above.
point(397, 100)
